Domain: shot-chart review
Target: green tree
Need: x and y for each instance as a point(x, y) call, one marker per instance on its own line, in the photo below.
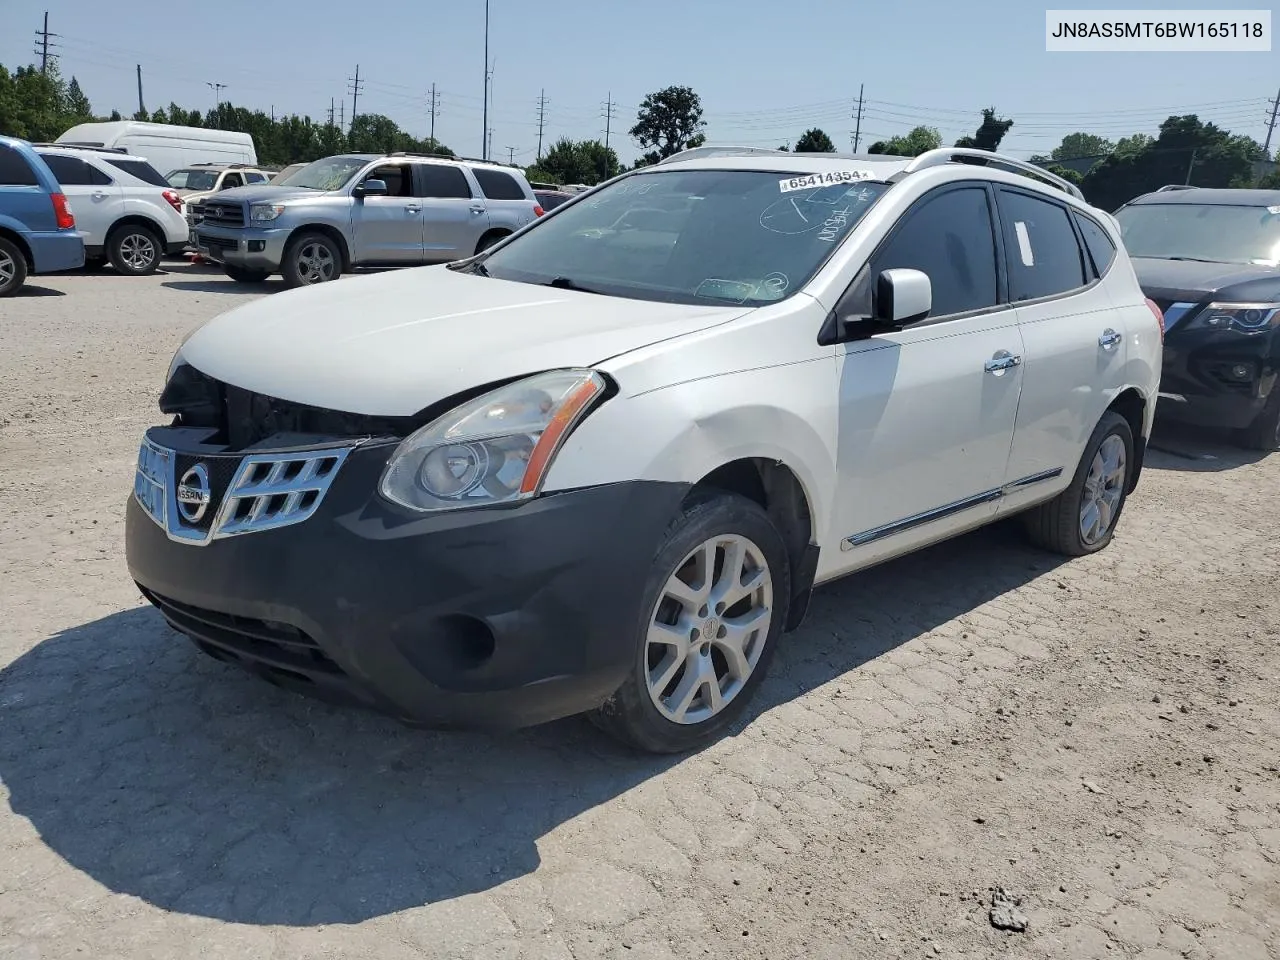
point(1066, 173)
point(1076, 146)
point(990, 132)
point(1270, 181)
point(77, 106)
point(575, 161)
point(919, 140)
point(814, 141)
point(669, 121)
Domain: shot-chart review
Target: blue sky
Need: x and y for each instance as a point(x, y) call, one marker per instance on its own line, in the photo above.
point(766, 71)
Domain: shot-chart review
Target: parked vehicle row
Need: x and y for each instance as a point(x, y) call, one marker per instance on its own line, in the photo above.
point(37, 229)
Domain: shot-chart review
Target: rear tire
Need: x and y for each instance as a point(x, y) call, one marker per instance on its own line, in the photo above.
point(1264, 432)
point(13, 268)
point(134, 250)
point(1082, 519)
point(489, 239)
point(309, 259)
point(697, 663)
point(243, 275)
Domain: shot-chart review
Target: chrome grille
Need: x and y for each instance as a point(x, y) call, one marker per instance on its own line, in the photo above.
point(265, 492)
point(218, 213)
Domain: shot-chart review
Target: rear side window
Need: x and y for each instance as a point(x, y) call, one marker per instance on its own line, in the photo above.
point(255, 178)
point(73, 172)
point(441, 182)
point(497, 185)
point(1101, 249)
point(140, 169)
point(14, 169)
point(1040, 247)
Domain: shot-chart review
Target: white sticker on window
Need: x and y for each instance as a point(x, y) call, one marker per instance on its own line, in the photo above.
point(814, 180)
point(1024, 244)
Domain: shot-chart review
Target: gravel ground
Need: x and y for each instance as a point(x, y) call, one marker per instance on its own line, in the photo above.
point(1096, 739)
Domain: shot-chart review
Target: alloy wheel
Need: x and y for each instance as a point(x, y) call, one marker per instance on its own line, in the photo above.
point(8, 269)
point(708, 629)
point(1103, 490)
point(316, 263)
point(138, 251)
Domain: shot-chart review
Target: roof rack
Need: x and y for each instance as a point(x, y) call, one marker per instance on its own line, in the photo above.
point(1175, 186)
point(74, 145)
point(693, 153)
point(447, 156)
point(936, 158)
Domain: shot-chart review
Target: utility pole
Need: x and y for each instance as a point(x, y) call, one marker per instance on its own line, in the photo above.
point(610, 111)
point(488, 141)
point(542, 116)
point(42, 48)
point(1190, 167)
point(511, 156)
point(342, 115)
point(217, 93)
point(1271, 125)
point(484, 140)
point(857, 133)
point(331, 112)
point(141, 108)
point(355, 94)
point(435, 106)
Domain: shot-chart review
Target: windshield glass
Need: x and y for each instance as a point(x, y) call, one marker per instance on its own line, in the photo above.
point(330, 173)
point(192, 179)
point(706, 236)
point(1201, 231)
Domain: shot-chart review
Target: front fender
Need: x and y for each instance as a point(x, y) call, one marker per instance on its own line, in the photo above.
point(682, 433)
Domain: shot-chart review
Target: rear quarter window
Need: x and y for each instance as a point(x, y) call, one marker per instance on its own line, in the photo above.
point(142, 170)
point(497, 185)
point(14, 169)
point(1101, 249)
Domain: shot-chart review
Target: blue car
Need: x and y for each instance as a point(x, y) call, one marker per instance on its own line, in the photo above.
point(37, 231)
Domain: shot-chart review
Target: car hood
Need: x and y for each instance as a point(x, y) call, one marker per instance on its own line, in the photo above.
point(266, 193)
point(1191, 281)
point(394, 343)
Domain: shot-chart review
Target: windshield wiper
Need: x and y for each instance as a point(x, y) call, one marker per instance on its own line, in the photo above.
point(567, 283)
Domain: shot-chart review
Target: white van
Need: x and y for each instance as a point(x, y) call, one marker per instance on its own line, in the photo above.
point(167, 147)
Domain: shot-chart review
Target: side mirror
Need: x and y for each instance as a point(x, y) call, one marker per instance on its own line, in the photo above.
point(902, 296)
point(372, 188)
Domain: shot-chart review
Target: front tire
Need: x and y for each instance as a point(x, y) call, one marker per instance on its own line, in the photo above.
point(243, 275)
point(13, 268)
point(1082, 519)
point(715, 604)
point(310, 259)
point(134, 250)
point(1264, 432)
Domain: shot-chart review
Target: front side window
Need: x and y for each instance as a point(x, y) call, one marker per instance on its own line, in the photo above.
point(231, 181)
point(1215, 233)
point(330, 173)
point(193, 179)
point(396, 176)
point(949, 238)
point(698, 237)
point(1040, 247)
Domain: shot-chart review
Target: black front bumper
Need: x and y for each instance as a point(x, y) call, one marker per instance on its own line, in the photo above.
point(483, 618)
point(1218, 378)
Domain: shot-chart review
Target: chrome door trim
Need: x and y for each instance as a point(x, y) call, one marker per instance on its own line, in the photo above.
point(947, 510)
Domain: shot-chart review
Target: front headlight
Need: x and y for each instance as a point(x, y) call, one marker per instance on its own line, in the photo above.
point(1243, 317)
point(265, 212)
point(494, 449)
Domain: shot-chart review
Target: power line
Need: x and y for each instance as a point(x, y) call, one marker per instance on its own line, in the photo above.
point(542, 118)
point(355, 95)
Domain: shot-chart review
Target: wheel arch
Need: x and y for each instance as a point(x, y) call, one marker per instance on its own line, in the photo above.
point(137, 220)
point(493, 233)
point(328, 230)
point(1134, 407)
point(20, 242)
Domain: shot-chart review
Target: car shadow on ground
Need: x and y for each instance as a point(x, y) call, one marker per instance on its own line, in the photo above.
point(28, 290)
point(224, 285)
point(1197, 450)
point(165, 775)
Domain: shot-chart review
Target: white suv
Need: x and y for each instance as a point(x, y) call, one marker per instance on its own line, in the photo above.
point(601, 465)
point(124, 209)
point(200, 181)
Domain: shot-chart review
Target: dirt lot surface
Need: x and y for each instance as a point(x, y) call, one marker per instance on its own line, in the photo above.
point(1099, 738)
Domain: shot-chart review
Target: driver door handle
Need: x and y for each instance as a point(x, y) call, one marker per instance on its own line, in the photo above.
point(1109, 339)
point(1002, 361)
point(413, 208)
point(477, 210)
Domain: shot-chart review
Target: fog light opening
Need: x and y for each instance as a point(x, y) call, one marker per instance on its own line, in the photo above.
point(468, 642)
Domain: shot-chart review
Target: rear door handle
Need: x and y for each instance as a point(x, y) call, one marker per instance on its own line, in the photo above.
point(477, 210)
point(1002, 361)
point(413, 209)
point(1109, 339)
point(99, 195)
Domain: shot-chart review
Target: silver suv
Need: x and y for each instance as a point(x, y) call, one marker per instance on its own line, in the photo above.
point(363, 210)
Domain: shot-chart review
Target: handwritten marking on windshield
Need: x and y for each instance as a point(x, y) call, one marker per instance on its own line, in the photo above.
point(798, 213)
point(833, 225)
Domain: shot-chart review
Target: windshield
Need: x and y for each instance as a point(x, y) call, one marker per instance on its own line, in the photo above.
point(1201, 231)
point(192, 179)
point(706, 236)
point(331, 173)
